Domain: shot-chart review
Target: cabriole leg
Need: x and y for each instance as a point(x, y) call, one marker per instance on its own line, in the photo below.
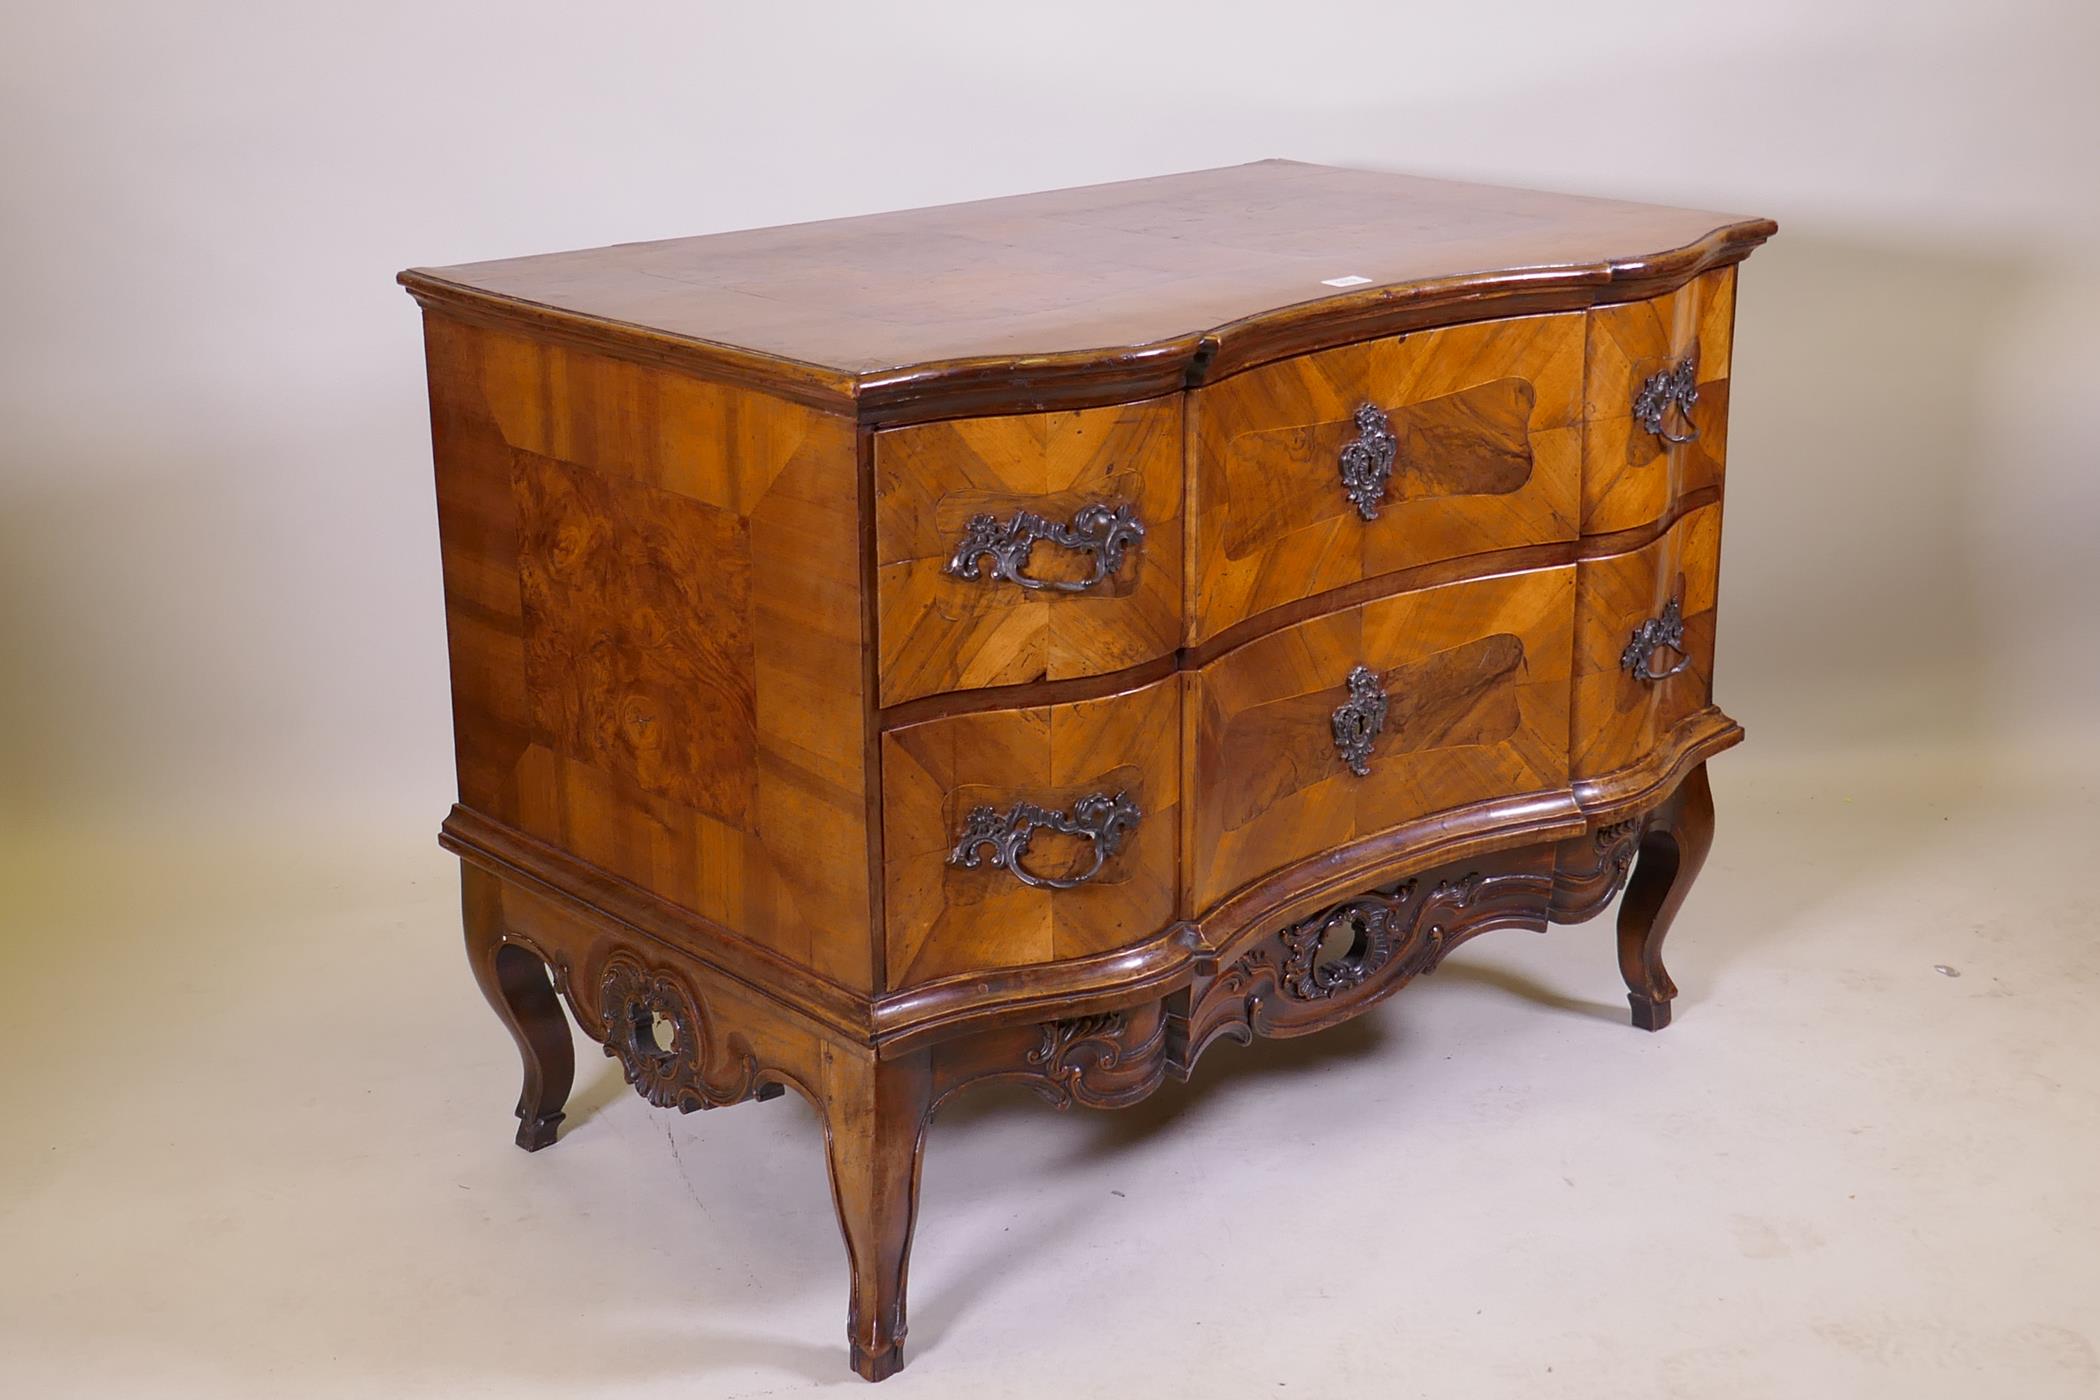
point(1673, 847)
point(517, 987)
point(875, 1115)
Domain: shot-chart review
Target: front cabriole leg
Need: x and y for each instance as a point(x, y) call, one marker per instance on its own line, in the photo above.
point(876, 1111)
point(875, 1114)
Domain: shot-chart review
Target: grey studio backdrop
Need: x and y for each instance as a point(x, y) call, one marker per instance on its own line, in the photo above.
point(256, 1118)
point(218, 568)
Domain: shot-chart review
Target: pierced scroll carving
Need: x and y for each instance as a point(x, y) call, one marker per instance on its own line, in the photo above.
point(1352, 955)
point(658, 1031)
point(1368, 923)
point(1406, 921)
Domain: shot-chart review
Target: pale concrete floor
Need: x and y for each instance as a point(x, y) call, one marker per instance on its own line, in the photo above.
point(257, 1144)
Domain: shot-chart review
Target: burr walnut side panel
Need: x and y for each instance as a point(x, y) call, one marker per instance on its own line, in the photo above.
point(945, 917)
point(654, 608)
point(1644, 647)
point(1470, 686)
point(1111, 587)
point(1480, 450)
point(1632, 472)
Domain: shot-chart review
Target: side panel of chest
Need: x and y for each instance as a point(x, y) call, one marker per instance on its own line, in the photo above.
point(653, 603)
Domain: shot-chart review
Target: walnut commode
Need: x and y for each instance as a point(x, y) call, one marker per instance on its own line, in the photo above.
point(1034, 639)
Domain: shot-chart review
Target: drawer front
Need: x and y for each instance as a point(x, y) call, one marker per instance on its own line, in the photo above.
point(1644, 643)
point(1317, 472)
point(1016, 837)
point(1041, 546)
point(1656, 420)
point(1370, 717)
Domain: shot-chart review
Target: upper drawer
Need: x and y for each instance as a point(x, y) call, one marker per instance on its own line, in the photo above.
point(1317, 472)
point(1035, 547)
point(1657, 418)
point(1370, 717)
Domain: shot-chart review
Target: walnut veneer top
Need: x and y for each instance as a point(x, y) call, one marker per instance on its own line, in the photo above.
point(1094, 293)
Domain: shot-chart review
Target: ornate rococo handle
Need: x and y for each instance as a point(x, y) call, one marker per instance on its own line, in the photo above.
point(1360, 720)
point(1677, 386)
point(1664, 631)
point(1101, 530)
point(1367, 461)
point(1100, 819)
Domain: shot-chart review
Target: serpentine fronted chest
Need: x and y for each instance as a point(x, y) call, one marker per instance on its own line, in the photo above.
point(1031, 640)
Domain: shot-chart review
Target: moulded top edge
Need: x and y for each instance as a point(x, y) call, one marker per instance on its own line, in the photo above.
point(1092, 294)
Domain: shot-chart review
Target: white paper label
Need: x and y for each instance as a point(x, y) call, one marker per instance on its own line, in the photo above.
point(1352, 280)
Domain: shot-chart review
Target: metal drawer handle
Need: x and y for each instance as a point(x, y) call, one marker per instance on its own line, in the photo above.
point(1367, 461)
point(1677, 386)
point(1665, 631)
point(1101, 530)
point(1099, 819)
point(1360, 720)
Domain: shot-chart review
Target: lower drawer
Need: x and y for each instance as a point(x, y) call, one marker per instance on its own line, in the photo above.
point(1015, 837)
point(1374, 716)
point(1644, 649)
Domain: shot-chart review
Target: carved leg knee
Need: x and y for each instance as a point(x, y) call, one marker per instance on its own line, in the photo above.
point(875, 1115)
point(516, 985)
point(1673, 847)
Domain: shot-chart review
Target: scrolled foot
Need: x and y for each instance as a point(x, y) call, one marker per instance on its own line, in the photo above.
point(878, 1366)
point(537, 1130)
point(1648, 1015)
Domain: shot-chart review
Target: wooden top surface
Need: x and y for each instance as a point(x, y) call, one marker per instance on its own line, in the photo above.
point(1099, 292)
